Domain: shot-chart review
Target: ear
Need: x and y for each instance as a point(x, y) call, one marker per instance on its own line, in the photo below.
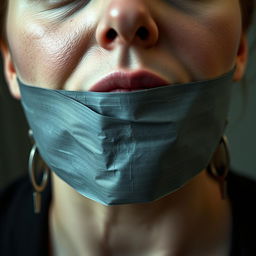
point(9, 71)
point(241, 59)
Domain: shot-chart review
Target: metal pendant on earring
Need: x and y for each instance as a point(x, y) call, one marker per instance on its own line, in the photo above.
point(35, 160)
point(219, 170)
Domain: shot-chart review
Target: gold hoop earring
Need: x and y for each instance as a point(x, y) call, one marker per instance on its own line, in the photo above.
point(35, 159)
point(218, 168)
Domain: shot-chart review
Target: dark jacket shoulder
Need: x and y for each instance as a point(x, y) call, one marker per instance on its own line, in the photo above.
point(22, 232)
point(242, 193)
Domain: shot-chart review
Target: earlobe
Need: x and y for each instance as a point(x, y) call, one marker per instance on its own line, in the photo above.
point(10, 72)
point(241, 59)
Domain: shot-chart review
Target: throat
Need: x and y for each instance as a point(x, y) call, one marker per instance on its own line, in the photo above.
point(162, 227)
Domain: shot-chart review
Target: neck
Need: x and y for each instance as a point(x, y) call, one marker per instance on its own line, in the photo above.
point(192, 218)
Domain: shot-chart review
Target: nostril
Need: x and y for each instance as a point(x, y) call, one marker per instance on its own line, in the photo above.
point(143, 33)
point(111, 34)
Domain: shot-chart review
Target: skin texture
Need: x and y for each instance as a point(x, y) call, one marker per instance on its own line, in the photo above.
point(68, 47)
point(74, 51)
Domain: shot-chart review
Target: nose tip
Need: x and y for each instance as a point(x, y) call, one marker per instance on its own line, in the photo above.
point(127, 22)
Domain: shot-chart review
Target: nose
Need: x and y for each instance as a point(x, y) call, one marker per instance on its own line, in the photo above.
point(126, 22)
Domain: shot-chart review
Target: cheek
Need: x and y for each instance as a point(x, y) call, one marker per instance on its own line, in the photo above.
point(46, 56)
point(206, 44)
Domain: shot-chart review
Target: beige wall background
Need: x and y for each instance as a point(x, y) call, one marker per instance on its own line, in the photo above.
point(15, 145)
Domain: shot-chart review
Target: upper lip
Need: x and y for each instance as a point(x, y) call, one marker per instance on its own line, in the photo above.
point(136, 80)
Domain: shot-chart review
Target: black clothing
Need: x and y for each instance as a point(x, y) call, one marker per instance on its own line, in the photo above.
point(24, 233)
point(242, 192)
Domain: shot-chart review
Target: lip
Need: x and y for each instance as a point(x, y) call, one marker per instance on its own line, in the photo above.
point(122, 81)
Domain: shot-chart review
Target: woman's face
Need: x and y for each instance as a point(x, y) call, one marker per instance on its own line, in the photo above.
point(69, 44)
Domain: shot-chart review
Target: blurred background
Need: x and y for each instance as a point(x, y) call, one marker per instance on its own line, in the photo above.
point(15, 144)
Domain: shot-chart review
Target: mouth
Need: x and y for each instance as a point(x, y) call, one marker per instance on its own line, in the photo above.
point(128, 81)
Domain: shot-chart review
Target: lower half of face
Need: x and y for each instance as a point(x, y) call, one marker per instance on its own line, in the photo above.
point(72, 44)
